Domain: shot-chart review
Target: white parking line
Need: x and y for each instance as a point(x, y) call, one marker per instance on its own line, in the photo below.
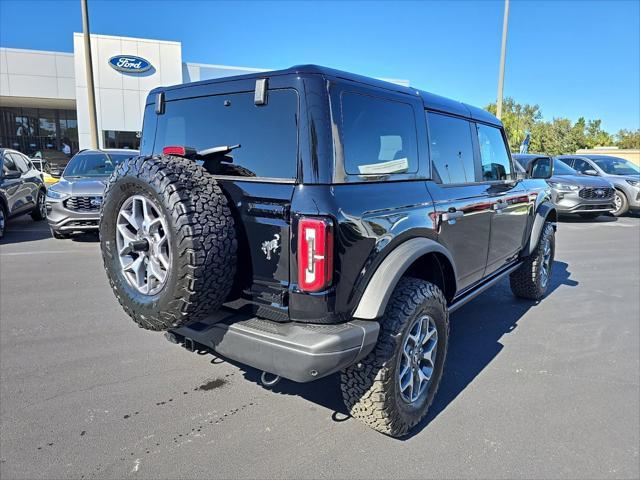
point(44, 252)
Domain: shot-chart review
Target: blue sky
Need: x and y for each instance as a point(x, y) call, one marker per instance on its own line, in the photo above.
point(573, 58)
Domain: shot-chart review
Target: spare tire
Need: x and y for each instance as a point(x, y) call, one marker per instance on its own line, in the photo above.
point(168, 241)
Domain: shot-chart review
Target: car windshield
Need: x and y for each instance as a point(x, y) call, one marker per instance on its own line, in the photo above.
point(561, 168)
point(617, 166)
point(94, 164)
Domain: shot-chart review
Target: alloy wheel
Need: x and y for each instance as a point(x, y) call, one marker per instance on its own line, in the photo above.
point(42, 205)
point(2, 221)
point(142, 240)
point(617, 201)
point(418, 359)
point(545, 269)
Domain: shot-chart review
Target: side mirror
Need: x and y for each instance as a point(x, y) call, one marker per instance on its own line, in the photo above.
point(12, 174)
point(591, 172)
point(541, 168)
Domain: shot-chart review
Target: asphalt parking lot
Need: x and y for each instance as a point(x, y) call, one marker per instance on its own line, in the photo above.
point(530, 391)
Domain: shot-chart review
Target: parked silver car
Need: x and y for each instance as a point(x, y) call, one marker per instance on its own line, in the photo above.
point(623, 174)
point(571, 191)
point(73, 204)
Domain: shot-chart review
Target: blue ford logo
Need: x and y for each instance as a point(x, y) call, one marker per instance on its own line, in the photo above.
point(600, 192)
point(129, 64)
point(96, 201)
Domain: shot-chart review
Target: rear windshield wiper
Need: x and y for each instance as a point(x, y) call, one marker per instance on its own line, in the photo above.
point(216, 153)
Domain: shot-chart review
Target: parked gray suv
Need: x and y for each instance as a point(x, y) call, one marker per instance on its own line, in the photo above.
point(73, 204)
point(624, 175)
point(572, 192)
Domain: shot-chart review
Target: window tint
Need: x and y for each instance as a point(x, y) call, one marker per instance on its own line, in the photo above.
point(541, 167)
point(148, 130)
point(493, 152)
point(560, 168)
point(379, 136)
point(268, 134)
point(581, 165)
point(20, 162)
point(7, 164)
point(566, 161)
point(451, 148)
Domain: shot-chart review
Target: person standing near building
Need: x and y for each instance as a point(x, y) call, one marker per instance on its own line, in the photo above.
point(66, 149)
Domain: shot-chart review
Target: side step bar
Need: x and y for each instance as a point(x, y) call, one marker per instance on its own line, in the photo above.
point(298, 351)
point(470, 295)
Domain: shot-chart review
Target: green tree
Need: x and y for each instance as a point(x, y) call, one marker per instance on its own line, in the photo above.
point(553, 138)
point(559, 135)
point(596, 137)
point(518, 119)
point(628, 138)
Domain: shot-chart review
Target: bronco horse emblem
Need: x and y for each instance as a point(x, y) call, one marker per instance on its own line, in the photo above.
point(270, 246)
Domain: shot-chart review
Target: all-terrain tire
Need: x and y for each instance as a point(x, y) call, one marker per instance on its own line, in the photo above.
point(201, 234)
point(370, 388)
point(528, 280)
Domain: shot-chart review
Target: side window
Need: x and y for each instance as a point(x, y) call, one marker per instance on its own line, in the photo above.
point(493, 153)
point(567, 161)
point(451, 148)
point(20, 162)
point(379, 136)
point(148, 130)
point(7, 164)
point(581, 165)
point(541, 168)
point(267, 135)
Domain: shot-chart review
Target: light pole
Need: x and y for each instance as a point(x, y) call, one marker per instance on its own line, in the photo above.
point(93, 123)
point(503, 55)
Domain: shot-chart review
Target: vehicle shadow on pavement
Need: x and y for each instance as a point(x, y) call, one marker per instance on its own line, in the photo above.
point(474, 341)
point(20, 231)
point(579, 219)
point(476, 330)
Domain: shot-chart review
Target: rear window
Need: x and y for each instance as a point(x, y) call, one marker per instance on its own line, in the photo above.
point(379, 136)
point(268, 134)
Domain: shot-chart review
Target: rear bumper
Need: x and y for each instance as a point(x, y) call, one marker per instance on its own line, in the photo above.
point(298, 351)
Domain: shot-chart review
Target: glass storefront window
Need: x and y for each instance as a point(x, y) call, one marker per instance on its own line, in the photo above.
point(120, 139)
point(39, 131)
point(47, 124)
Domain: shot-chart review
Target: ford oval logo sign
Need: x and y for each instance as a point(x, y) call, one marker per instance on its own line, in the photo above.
point(129, 64)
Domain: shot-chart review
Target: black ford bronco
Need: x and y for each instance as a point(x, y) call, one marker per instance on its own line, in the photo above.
point(310, 221)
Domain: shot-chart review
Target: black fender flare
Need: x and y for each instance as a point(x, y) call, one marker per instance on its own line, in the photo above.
point(373, 301)
point(543, 212)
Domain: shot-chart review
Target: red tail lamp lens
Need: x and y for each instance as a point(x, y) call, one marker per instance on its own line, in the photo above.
point(315, 254)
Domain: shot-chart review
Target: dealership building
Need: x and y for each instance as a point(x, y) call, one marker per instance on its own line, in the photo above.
point(44, 101)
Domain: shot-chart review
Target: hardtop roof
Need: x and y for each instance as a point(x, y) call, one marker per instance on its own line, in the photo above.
point(430, 100)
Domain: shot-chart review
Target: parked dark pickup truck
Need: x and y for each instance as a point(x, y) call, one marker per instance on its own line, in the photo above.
point(310, 221)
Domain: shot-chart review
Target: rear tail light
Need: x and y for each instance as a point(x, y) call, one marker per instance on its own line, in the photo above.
point(178, 150)
point(315, 254)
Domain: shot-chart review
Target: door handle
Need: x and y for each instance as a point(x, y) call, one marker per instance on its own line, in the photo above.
point(451, 216)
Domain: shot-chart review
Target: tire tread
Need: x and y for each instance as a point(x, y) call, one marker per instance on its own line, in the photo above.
point(205, 243)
